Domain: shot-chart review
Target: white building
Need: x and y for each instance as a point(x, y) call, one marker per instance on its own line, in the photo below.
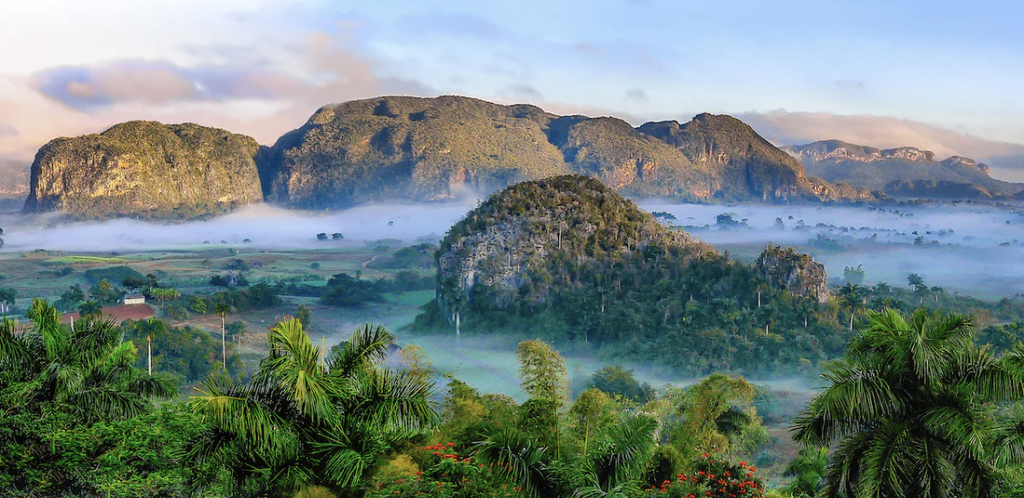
point(134, 299)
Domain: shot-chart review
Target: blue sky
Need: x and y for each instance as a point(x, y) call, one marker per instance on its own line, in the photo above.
point(938, 75)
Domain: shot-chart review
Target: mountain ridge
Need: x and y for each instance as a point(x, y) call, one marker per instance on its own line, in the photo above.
point(428, 148)
point(901, 171)
point(411, 149)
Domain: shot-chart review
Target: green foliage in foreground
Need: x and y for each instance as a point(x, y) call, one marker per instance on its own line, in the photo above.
point(914, 409)
point(67, 396)
point(307, 420)
point(915, 406)
point(56, 455)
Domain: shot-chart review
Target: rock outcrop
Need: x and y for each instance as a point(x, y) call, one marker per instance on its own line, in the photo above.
point(784, 268)
point(514, 238)
point(146, 170)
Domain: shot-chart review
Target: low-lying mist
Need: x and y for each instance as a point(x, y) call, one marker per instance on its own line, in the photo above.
point(966, 247)
point(264, 226)
point(970, 248)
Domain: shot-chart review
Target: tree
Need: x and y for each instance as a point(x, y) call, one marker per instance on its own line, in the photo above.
point(808, 471)
point(90, 309)
point(614, 379)
point(321, 236)
point(104, 293)
point(854, 275)
point(71, 298)
point(920, 288)
point(165, 293)
point(89, 371)
point(337, 236)
point(851, 297)
point(300, 423)
point(222, 310)
point(542, 372)
point(7, 299)
point(718, 416)
point(198, 306)
point(912, 405)
point(304, 315)
point(612, 466)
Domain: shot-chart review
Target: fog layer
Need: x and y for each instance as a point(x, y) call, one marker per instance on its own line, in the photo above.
point(263, 225)
point(971, 248)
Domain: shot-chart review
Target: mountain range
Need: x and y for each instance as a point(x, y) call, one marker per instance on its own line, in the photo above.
point(901, 172)
point(430, 149)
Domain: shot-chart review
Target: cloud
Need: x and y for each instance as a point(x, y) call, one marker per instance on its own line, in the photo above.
point(263, 97)
point(160, 82)
point(459, 25)
point(521, 91)
point(637, 94)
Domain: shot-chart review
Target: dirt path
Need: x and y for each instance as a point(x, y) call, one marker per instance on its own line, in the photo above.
point(371, 260)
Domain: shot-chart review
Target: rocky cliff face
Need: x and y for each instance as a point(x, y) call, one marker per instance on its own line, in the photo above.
point(901, 172)
point(797, 273)
point(147, 170)
point(747, 165)
point(410, 149)
point(436, 148)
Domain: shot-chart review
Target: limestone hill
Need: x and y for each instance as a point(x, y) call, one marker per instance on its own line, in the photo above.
point(570, 260)
point(436, 148)
point(901, 172)
point(146, 170)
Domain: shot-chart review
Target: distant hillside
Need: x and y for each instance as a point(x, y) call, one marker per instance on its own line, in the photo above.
point(901, 172)
point(436, 148)
point(570, 260)
point(14, 178)
point(148, 170)
point(410, 149)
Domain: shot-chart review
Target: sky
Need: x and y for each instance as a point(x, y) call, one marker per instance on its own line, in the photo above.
point(940, 75)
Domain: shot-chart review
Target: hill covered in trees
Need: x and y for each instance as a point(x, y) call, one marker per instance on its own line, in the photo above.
point(569, 260)
point(148, 170)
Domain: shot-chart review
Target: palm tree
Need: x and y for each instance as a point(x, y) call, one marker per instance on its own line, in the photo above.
point(912, 405)
point(613, 465)
point(808, 470)
point(301, 423)
point(852, 298)
point(88, 371)
point(165, 293)
point(222, 310)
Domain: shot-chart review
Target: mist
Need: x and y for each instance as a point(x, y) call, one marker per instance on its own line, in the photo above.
point(966, 247)
point(265, 227)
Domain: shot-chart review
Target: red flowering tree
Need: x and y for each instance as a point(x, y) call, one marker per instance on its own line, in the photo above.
point(712, 477)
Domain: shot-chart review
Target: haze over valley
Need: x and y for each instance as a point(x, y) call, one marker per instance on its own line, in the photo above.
point(614, 249)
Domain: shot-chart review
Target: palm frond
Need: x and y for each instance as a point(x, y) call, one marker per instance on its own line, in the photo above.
point(518, 457)
point(397, 399)
point(107, 403)
point(367, 346)
point(1008, 440)
point(630, 447)
point(345, 468)
point(241, 416)
point(857, 397)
